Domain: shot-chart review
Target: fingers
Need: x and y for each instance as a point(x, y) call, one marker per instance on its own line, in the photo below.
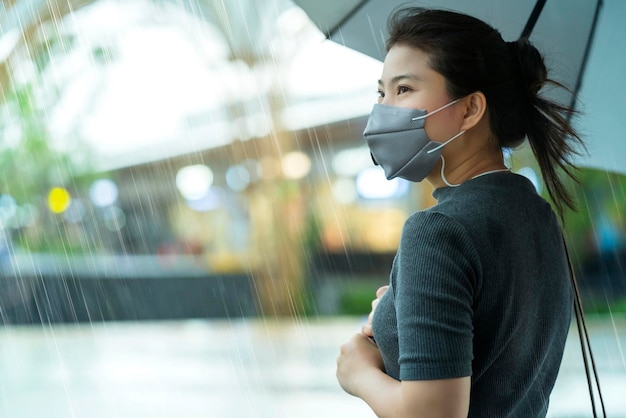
point(366, 329)
point(370, 317)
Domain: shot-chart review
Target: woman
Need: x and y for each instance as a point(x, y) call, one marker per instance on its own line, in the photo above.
point(478, 306)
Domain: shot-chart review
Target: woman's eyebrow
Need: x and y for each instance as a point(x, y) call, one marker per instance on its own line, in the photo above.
point(396, 79)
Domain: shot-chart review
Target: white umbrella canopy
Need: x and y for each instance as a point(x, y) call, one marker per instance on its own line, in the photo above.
point(579, 39)
point(603, 91)
point(562, 31)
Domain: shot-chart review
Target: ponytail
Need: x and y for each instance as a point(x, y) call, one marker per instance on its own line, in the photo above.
point(550, 134)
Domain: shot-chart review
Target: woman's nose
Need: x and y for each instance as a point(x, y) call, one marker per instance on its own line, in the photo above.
point(386, 101)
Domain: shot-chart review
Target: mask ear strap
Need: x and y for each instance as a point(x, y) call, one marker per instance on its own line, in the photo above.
point(443, 144)
point(443, 176)
point(436, 110)
point(583, 336)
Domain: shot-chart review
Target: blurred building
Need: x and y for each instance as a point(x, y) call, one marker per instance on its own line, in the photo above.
point(191, 134)
point(203, 137)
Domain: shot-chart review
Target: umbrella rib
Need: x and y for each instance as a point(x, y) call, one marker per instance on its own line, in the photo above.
point(532, 20)
point(347, 17)
point(583, 64)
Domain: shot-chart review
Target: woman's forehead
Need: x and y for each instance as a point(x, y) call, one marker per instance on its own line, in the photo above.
point(406, 62)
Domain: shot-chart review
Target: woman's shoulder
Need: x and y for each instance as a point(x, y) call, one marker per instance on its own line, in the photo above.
point(503, 200)
point(433, 222)
point(430, 233)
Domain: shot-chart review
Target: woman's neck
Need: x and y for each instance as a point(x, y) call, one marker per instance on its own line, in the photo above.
point(452, 171)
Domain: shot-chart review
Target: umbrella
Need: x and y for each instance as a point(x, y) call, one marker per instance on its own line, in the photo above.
point(577, 38)
point(562, 29)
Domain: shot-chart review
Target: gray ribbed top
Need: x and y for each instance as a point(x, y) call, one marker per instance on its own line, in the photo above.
point(480, 286)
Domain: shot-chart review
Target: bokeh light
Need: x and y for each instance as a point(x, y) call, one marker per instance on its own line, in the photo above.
point(8, 208)
point(103, 192)
point(194, 181)
point(114, 218)
point(59, 200)
point(372, 184)
point(237, 178)
point(296, 165)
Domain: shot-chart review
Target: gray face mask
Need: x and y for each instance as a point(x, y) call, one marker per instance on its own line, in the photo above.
point(399, 144)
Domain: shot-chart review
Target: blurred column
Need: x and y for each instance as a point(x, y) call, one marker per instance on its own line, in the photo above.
point(265, 37)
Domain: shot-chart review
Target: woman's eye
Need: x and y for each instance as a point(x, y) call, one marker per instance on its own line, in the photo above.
point(403, 89)
point(380, 94)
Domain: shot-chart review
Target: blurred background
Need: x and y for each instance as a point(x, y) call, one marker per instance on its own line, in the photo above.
point(191, 224)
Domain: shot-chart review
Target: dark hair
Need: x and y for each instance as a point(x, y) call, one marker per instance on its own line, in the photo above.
point(472, 56)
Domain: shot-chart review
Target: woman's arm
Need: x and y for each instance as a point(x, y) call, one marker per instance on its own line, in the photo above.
point(360, 373)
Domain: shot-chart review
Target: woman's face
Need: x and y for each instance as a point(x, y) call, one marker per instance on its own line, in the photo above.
point(408, 81)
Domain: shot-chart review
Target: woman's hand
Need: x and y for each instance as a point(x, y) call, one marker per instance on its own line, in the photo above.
point(366, 329)
point(360, 372)
point(358, 357)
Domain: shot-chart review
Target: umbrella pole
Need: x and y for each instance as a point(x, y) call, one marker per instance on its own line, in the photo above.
point(532, 19)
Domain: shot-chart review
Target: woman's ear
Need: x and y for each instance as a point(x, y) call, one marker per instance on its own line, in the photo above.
point(475, 108)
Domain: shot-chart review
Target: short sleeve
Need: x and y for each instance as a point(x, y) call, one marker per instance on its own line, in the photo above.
point(437, 266)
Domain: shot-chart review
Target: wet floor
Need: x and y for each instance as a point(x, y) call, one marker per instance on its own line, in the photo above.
point(229, 369)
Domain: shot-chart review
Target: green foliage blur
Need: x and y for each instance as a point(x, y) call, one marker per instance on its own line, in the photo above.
point(600, 199)
point(31, 166)
point(596, 237)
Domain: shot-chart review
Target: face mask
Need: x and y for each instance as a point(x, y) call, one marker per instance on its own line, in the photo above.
point(399, 144)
